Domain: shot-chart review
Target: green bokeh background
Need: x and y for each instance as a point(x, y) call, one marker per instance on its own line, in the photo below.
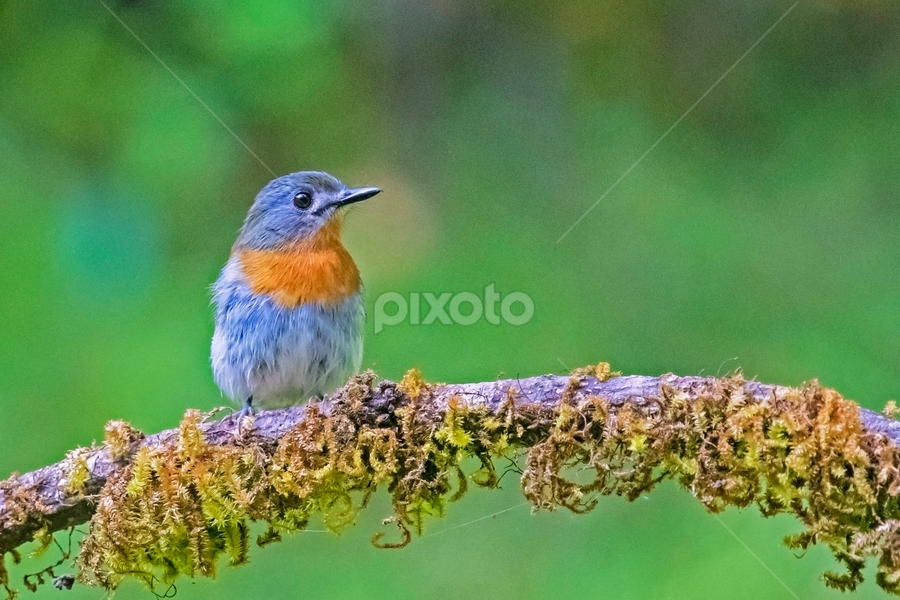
point(763, 233)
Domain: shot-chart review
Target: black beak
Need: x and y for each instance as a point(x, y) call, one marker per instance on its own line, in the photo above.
point(357, 195)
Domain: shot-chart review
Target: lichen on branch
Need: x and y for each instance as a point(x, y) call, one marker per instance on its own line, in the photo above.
point(182, 500)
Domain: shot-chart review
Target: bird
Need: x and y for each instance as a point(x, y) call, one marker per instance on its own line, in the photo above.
point(289, 309)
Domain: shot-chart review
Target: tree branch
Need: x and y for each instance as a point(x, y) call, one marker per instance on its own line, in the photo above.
point(611, 425)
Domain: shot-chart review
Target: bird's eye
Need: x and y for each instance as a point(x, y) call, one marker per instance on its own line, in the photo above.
point(302, 200)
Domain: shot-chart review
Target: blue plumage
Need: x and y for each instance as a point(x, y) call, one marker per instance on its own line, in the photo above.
point(283, 347)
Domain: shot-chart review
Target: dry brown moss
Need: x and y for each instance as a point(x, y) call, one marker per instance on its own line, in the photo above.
point(21, 504)
point(178, 507)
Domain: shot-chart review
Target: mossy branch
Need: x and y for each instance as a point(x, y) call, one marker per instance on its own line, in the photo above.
point(172, 503)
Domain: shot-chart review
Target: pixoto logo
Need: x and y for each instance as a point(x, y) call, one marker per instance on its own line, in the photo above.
point(447, 308)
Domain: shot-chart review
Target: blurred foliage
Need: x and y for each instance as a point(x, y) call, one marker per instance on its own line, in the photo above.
point(761, 233)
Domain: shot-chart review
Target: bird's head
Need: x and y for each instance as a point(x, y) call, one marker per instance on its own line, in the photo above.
point(294, 208)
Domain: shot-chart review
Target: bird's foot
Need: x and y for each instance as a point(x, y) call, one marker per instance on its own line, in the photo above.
point(245, 412)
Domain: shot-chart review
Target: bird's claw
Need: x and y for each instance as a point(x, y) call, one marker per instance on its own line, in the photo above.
point(246, 411)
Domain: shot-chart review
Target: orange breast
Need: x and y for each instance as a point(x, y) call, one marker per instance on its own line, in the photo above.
point(318, 269)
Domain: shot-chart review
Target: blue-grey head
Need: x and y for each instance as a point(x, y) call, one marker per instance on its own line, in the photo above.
point(295, 207)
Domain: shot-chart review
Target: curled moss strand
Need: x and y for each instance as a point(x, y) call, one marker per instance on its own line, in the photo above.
point(183, 503)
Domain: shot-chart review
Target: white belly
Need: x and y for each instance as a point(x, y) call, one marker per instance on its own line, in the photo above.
point(282, 356)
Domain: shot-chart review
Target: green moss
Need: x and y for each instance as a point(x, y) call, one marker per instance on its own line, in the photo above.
point(601, 372)
point(119, 438)
point(412, 384)
point(76, 470)
point(179, 507)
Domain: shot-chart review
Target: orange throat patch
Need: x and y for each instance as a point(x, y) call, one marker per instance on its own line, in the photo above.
point(317, 269)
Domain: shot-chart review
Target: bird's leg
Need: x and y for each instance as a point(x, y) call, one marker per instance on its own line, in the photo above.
point(247, 409)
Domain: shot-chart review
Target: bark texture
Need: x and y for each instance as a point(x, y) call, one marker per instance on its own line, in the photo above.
point(42, 501)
